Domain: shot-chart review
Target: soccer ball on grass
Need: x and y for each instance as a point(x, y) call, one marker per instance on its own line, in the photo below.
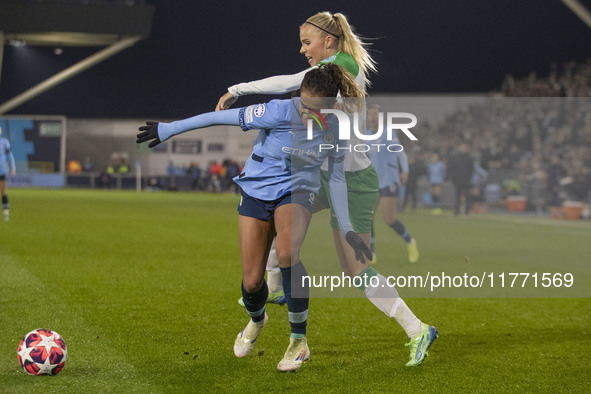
point(42, 352)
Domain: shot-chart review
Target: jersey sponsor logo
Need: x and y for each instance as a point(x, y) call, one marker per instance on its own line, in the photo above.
point(248, 114)
point(259, 110)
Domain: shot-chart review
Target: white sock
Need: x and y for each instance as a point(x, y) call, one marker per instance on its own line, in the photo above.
point(274, 280)
point(387, 300)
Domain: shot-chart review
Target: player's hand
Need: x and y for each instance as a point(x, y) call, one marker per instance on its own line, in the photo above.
point(149, 132)
point(403, 177)
point(13, 173)
point(225, 101)
point(358, 246)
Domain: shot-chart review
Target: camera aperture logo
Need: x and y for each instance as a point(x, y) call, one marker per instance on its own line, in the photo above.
point(317, 117)
point(345, 130)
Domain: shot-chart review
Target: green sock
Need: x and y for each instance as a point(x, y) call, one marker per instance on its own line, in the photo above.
point(368, 273)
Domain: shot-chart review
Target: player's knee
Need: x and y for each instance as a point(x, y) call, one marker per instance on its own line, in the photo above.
point(390, 220)
point(286, 258)
point(252, 284)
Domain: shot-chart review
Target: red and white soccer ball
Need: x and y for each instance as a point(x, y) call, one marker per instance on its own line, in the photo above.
point(42, 352)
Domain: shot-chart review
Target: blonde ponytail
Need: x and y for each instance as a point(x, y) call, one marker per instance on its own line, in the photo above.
point(338, 26)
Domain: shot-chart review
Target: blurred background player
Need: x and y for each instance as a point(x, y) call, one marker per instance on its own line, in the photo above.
point(416, 169)
point(328, 38)
point(436, 174)
point(7, 166)
point(392, 168)
point(276, 201)
point(461, 168)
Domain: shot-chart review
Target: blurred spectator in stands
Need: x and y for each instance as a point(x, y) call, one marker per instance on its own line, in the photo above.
point(511, 187)
point(110, 168)
point(106, 175)
point(536, 186)
point(153, 184)
point(232, 170)
point(578, 189)
point(87, 165)
point(478, 183)
point(508, 84)
point(215, 172)
point(171, 169)
point(555, 174)
point(195, 172)
point(123, 167)
point(74, 167)
point(461, 168)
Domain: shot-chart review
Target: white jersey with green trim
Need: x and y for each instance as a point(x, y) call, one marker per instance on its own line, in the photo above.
point(281, 84)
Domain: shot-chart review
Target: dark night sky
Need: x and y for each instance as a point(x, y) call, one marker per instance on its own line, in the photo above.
point(198, 48)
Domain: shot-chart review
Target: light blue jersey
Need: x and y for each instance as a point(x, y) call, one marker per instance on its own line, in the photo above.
point(436, 172)
point(282, 155)
point(388, 164)
point(6, 157)
point(283, 160)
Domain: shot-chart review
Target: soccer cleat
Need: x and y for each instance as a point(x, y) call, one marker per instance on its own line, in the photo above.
point(374, 259)
point(420, 344)
point(295, 355)
point(246, 338)
point(413, 252)
point(276, 298)
point(6, 216)
point(273, 298)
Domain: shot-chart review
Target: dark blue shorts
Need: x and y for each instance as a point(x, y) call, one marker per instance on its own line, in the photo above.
point(392, 190)
point(2, 177)
point(264, 210)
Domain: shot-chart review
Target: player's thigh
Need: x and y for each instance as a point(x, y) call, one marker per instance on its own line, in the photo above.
point(255, 241)
point(3, 187)
point(291, 224)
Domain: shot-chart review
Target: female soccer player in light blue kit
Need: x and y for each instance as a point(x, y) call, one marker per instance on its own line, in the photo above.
point(392, 168)
point(278, 184)
point(328, 38)
point(6, 159)
point(436, 171)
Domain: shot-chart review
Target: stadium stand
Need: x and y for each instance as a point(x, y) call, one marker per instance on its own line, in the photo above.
point(533, 138)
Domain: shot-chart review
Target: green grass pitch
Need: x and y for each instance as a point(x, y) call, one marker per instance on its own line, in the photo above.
point(143, 288)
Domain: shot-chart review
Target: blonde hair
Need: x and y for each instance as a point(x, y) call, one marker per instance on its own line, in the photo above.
point(338, 26)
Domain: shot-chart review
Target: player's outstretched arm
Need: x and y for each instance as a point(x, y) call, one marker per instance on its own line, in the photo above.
point(157, 132)
point(278, 84)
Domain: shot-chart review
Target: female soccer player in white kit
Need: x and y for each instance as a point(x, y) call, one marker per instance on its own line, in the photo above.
point(328, 38)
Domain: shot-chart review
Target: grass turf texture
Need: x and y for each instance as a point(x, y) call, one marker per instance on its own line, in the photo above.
point(143, 288)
